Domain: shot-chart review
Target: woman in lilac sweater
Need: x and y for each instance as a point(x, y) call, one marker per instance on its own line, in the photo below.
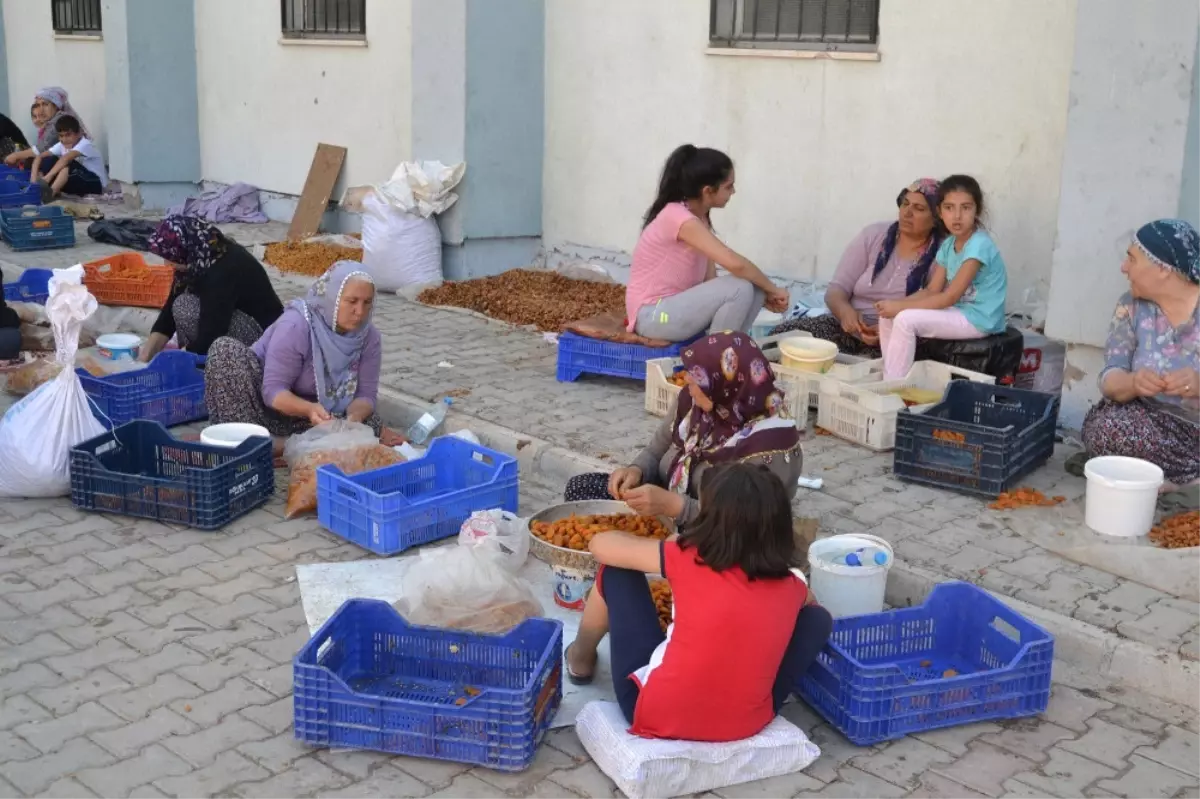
point(318, 361)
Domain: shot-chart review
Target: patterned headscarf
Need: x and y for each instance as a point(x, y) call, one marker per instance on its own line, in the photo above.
point(336, 356)
point(192, 244)
point(928, 187)
point(1172, 243)
point(58, 96)
point(748, 417)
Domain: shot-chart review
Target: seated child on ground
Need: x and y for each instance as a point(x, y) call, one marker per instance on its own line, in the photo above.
point(743, 631)
point(964, 298)
point(79, 168)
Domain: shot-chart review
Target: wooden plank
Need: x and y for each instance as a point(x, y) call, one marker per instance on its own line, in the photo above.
point(326, 164)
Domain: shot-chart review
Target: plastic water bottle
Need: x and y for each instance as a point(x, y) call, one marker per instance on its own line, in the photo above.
point(431, 420)
point(857, 557)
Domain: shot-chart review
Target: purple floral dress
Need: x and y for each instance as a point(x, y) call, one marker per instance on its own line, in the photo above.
point(1164, 430)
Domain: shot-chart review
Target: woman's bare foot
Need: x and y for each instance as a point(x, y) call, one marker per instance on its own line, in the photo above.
point(580, 667)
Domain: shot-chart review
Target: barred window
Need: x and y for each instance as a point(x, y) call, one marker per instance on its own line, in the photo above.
point(795, 24)
point(75, 16)
point(324, 19)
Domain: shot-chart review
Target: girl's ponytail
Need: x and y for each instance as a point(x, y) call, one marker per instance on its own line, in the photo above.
point(687, 171)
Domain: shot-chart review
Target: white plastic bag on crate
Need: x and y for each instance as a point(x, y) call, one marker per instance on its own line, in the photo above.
point(653, 767)
point(469, 586)
point(37, 433)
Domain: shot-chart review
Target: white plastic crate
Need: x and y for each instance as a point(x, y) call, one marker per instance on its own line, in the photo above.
point(864, 412)
point(802, 388)
point(659, 393)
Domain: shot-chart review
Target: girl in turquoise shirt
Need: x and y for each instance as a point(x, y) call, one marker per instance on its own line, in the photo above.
point(965, 295)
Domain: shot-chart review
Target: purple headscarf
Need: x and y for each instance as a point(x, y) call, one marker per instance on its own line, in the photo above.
point(58, 96)
point(336, 356)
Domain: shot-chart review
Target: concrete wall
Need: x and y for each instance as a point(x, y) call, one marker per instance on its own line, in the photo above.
point(264, 106)
point(821, 146)
point(1189, 192)
point(1130, 95)
point(37, 58)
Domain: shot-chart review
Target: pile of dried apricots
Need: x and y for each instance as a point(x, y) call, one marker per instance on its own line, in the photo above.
point(660, 592)
point(1178, 531)
point(576, 532)
point(1025, 498)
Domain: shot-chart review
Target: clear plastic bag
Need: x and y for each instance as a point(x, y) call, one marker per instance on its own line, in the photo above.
point(467, 587)
point(350, 446)
point(498, 531)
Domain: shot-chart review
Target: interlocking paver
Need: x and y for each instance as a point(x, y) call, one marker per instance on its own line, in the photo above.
point(145, 669)
point(137, 704)
point(236, 694)
point(1146, 778)
point(304, 777)
point(1106, 742)
point(29, 626)
point(98, 628)
point(852, 782)
point(228, 769)
point(1072, 708)
point(1029, 737)
point(212, 674)
point(903, 762)
point(33, 776)
point(13, 747)
point(49, 735)
point(386, 781)
point(984, 768)
point(62, 698)
point(152, 763)
point(74, 665)
point(66, 788)
point(128, 740)
point(220, 642)
point(201, 748)
point(1178, 749)
point(1064, 773)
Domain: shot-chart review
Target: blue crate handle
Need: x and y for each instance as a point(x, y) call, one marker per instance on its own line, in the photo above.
point(1013, 620)
point(348, 488)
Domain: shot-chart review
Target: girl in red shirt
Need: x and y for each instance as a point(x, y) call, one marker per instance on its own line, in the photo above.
point(743, 629)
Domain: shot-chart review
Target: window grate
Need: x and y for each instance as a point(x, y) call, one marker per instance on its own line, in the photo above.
point(323, 19)
point(75, 16)
point(851, 25)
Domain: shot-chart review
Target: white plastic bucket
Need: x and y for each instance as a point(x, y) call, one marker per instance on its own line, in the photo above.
point(231, 434)
point(848, 590)
point(1121, 495)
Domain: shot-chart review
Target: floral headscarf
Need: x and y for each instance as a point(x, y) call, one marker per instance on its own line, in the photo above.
point(192, 244)
point(748, 416)
point(1173, 244)
point(336, 356)
point(928, 187)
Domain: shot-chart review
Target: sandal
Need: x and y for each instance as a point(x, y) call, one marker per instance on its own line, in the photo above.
point(575, 679)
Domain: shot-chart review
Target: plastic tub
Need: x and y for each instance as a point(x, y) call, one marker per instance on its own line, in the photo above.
point(1122, 494)
point(848, 590)
point(119, 346)
point(808, 354)
point(231, 434)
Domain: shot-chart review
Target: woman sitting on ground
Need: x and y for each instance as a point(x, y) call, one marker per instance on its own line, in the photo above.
point(743, 628)
point(319, 361)
point(1151, 378)
point(220, 289)
point(10, 332)
point(49, 104)
point(674, 293)
point(730, 411)
point(885, 261)
point(12, 139)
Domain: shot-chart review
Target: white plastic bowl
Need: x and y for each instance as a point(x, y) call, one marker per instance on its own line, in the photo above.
point(808, 354)
point(118, 346)
point(231, 434)
point(1122, 494)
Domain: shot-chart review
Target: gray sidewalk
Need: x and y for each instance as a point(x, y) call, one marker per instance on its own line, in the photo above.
point(141, 659)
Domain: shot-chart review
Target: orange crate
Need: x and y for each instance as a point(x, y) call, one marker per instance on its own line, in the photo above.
point(126, 279)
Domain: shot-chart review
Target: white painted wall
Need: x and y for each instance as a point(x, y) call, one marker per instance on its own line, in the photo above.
point(822, 147)
point(36, 58)
point(265, 106)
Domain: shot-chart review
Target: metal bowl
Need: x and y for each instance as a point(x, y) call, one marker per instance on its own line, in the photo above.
point(572, 558)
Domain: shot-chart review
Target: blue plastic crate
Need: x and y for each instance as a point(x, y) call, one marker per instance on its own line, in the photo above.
point(370, 680)
point(169, 391)
point(7, 171)
point(139, 469)
point(19, 192)
point(578, 355)
point(37, 228)
point(32, 286)
point(881, 676)
point(1003, 434)
point(397, 507)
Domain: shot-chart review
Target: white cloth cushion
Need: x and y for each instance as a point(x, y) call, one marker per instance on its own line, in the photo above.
point(647, 767)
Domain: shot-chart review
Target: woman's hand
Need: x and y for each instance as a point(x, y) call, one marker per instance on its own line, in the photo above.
point(152, 346)
point(888, 308)
point(1182, 383)
point(1147, 383)
point(317, 414)
point(12, 159)
point(778, 300)
point(624, 479)
point(390, 438)
point(650, 500)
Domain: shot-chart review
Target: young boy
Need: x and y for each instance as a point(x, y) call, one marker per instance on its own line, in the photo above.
point(80, 167)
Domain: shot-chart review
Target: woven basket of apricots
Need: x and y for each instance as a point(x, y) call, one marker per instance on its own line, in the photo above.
point(560, 535)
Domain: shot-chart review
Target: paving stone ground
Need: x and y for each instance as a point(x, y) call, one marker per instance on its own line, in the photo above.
point(143, 659)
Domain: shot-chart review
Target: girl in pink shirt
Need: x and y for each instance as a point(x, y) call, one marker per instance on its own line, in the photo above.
point(674, 293)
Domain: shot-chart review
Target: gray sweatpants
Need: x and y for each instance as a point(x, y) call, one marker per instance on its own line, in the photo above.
point(724, 303)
